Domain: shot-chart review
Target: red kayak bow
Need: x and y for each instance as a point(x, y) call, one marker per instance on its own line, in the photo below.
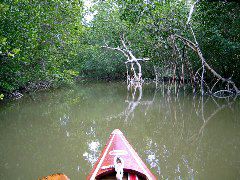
point(118, 154)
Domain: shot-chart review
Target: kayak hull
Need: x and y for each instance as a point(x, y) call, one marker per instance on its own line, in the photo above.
point(118, 145)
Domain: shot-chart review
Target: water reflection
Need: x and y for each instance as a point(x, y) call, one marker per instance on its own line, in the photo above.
point(185, 125)
point(177, 135)
point(205, 115)
point(190, 170)
point(152, 152)
point(136, 95)
point(134, 100)
point(91, 156)
point(64, 122)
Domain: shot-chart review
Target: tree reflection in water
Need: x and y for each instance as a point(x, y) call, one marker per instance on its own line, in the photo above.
point(199, 107)
point(133, 100)
point(174, 114)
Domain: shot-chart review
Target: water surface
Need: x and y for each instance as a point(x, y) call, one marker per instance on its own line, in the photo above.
point(177, 136)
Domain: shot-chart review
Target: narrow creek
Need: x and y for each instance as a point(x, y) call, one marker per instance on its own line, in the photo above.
point(177, 136)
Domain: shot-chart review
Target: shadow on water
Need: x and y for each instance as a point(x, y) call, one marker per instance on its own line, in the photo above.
point(178, 135)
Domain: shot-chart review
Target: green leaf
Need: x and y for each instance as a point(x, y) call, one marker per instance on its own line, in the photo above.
point(1, 96)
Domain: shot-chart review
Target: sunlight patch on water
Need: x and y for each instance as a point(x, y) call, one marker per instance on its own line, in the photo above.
point(93, 154)
point(152, 156)
point(93, 147)
point(64, 120)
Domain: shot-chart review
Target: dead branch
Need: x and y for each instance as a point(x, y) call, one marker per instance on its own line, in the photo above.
point(131, 59)
point(117, 49)
point(196, 48)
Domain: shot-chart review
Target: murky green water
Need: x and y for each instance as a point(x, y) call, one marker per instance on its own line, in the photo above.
point(178, 137)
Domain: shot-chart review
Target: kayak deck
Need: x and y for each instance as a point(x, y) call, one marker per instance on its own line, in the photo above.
point(117, 145)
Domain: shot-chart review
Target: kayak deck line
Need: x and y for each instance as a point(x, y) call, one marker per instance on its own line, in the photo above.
point(118, 146)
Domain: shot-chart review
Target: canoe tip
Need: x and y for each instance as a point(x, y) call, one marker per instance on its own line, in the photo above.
point(117, 131)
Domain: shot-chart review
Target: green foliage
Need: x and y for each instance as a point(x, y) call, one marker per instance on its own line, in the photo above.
point(1, 96)
point(149, 24)
point(103, 65)
point(219, 24)
point(38, 39)
point(105, 28)
point(155, 21)
point(48, 40)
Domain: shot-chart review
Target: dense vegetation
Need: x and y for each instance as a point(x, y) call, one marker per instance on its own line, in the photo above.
point(49, 42)
point(39, 41)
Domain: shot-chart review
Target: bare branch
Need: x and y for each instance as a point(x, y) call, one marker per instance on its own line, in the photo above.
point(123, 42)
point(187, 42)
point(196, 48)
point(130, 59)
point(116, 49)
